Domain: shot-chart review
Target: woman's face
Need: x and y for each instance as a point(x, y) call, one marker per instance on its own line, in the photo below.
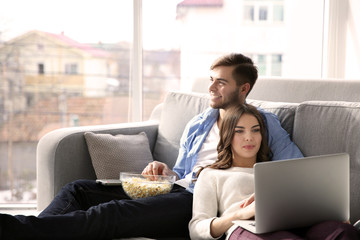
point(246, 141)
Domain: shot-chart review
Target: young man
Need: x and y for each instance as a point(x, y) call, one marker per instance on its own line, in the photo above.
point(86, 210)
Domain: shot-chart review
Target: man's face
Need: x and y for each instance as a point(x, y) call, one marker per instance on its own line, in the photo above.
point(223, 89)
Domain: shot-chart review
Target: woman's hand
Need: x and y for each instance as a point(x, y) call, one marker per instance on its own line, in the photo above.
point(158, 168)
point(246, 211)
point(247, 208)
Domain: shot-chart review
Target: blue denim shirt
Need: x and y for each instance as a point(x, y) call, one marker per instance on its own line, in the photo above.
point(198, 128)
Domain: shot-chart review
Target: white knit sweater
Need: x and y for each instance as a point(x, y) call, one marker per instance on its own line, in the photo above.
point(218, 193)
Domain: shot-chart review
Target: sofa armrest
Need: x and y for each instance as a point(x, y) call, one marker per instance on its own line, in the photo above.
point(62, 155)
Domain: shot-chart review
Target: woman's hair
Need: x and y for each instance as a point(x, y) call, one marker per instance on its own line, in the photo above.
point(227, 131)
point(244, 72)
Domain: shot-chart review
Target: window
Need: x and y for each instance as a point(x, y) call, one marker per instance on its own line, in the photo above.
point(71, 71)
point(263, 12)
point(261, 63)
point(248, 13)
point(40, 47)
point(41, 68)
point(278, 13)
point(71, 68)
point(89, 76)
point(276, 60)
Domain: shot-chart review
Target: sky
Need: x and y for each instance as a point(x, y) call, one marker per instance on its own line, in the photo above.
point(106, 21)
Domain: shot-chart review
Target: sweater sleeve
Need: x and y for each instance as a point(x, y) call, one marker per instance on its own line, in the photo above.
point(205, 207)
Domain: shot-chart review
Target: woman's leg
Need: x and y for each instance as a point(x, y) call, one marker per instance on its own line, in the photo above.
point(240, 233)
point(332, 230)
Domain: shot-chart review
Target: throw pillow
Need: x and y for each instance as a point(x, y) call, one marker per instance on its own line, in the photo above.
point(111, 155)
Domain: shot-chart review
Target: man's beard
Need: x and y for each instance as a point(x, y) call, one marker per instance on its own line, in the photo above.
point(232, 99)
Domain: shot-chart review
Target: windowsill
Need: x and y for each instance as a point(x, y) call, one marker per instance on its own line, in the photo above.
point(19, 209)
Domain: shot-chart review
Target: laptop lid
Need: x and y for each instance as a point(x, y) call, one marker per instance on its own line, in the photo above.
point(301, 192)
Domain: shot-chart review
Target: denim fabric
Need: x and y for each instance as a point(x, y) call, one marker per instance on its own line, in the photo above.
point(87, 210)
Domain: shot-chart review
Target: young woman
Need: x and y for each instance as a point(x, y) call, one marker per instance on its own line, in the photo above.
point(224, 190)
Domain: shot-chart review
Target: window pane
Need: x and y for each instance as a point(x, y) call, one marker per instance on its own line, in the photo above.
point(352, 49)
point(276, 60)
point(261, 63)
point(263, 12)
point(73, 70)
point(161, 53)
point(278, 13)
point(249, 13)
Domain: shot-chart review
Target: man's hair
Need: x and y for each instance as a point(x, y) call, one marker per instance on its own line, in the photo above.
point(244, 72)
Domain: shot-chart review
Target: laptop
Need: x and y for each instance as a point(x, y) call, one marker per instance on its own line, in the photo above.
point(300, 192)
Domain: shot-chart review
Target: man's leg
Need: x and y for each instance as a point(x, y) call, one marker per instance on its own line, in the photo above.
point(81, 195)
point(160, 216)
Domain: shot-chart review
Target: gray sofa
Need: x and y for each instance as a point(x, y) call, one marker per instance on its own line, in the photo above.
point(322, 117)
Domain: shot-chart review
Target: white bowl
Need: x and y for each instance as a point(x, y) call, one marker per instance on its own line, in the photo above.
point(139, 186)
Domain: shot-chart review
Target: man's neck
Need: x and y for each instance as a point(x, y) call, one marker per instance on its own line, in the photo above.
point(220, 117)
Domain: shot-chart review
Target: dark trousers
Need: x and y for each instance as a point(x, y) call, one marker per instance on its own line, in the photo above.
point(87, 210)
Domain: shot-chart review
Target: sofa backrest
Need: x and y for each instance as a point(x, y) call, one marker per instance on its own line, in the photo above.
point(179, 108)
point(317, 127)
point(297, 90)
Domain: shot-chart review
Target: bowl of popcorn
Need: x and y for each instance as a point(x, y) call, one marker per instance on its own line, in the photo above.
point(140, 186)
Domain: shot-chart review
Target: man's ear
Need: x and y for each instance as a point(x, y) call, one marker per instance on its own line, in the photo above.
point(244, 89)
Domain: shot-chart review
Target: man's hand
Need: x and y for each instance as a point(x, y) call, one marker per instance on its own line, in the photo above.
point(158, 168)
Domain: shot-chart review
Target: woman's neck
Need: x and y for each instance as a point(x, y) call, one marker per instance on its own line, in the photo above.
point(244, 162)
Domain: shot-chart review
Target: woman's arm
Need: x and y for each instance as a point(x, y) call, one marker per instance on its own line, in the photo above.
point(205, 223)
point(205, 207)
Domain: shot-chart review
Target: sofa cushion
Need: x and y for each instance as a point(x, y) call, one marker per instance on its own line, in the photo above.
point(177, 111)
point(111, 155)
point(332, 127)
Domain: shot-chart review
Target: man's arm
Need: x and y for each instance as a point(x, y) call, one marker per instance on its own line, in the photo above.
point(279, 140)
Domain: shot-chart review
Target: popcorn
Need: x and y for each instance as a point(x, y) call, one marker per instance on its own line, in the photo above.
point(137, 187)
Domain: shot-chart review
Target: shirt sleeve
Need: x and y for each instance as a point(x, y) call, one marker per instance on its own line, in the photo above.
point(279, 140)
point(180, 164)
point(205, 207)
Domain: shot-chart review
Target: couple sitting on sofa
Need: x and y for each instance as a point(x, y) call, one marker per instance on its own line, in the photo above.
point(86, 210)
